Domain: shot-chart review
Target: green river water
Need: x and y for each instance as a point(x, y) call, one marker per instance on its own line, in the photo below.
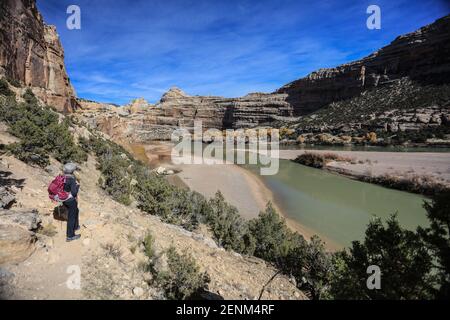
point(337, 207)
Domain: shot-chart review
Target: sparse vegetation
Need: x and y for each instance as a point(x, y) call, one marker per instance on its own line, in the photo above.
point(113, 250)
point(182, 279)
point(148, 245)
point(319, 160)
point(400, 95)
point(417, 184)
point(48, 230)
point(40, 131)
point(4, 89)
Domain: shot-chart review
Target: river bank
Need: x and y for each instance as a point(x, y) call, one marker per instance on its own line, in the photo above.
point(312, 201)
point(242, 188)
point(418, 172)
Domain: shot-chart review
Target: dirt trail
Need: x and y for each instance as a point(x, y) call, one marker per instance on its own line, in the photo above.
point(110, 253)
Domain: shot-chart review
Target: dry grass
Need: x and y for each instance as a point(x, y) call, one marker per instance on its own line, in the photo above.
point(113, 250)
point(413, 183)
point(48, 230)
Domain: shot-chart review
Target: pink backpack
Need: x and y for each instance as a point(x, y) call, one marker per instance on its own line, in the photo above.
point(56, 189)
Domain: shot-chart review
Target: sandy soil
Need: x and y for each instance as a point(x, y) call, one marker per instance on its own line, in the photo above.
point(237, 185)
point(240, 187)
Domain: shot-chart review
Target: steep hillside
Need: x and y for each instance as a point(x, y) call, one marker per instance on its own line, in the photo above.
point(111, 253)
point(31, 54)
point(402, 111)
point(128, 237)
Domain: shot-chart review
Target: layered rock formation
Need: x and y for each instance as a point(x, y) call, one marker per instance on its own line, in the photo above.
point(31, 53)
point(422, 56)
point(140, 121)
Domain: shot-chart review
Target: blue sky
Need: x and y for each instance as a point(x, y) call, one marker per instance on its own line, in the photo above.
point(140, 48)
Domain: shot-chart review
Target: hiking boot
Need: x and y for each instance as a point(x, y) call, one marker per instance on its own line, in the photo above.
point(75, 237)
point(77, 228)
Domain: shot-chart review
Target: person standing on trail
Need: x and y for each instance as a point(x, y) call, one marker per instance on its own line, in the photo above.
point(71, 186)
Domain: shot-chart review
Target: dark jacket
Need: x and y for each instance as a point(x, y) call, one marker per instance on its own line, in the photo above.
point(71, 185)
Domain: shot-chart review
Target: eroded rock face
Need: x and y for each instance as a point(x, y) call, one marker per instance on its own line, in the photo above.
point(141, 121)
point(17, 236)
point(423, 56)
point(31, 53)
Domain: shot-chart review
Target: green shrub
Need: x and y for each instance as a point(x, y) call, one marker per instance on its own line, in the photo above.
point(4, 89)
point(40, 132)
point(273, 238)
point(116, 180)
point(437, 241)
point(153, 193)
point(229, 229)
point(400, 254)
point(148, 245)
point(182, 279)
point(311, 266)
point(318, 160)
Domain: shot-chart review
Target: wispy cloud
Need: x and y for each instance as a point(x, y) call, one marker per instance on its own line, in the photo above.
point(223, 47)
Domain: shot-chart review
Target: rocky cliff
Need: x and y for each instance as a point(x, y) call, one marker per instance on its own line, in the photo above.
point(422, 56)
point(31, 54)
point(141, 121)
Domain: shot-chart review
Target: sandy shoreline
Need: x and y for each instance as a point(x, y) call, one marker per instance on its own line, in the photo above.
point(240, 187)
point(435, 165)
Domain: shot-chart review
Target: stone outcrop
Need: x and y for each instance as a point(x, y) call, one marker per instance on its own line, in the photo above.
point(7, 197)
point(140, 121)
point(422, 56)
point(31, 54)
point(17, 234)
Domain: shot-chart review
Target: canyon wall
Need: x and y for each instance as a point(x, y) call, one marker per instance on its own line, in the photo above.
point(31, 54)
point(422, 56)
point(140, 121)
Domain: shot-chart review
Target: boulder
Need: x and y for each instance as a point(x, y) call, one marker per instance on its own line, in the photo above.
point(7, 197)
point(17, 234)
